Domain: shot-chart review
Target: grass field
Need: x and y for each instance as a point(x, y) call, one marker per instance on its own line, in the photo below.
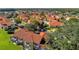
point(5, 43)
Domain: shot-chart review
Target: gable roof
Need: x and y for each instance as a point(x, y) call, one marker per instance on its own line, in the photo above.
point(28, 36)
point(4, 20)
point(37, 38)
point(55, 23)
point(24, 35)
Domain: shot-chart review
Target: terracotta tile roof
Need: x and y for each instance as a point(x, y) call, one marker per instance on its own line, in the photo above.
point(53, 17)
point(56, 23)
point(42, 34)
point(37, 38)
point(24, 35)
point(5, 21)
point(29, 36)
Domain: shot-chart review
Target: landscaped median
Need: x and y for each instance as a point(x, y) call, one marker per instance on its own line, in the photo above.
point(5, 43)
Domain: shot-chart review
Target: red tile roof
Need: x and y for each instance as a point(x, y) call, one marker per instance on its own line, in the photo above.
point(4, 20)
point(29, 36)
point(25, 35)
point(37, 38)
point(42, 34)
point(53, 17)
point(55, 23)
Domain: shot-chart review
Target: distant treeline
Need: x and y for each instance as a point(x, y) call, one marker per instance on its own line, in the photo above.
point(41, 9)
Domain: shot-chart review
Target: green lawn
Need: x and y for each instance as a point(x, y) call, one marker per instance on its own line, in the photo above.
point(5, 43)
